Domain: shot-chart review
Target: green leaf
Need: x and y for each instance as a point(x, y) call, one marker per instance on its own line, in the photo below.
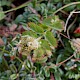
point(33, 18)
point(39, 55)
point(70, 8)
point(43, 60)
point(51, 39)
point(4, 65)
point(13, 76)
point(38, 52)
point(60, 71)
point(20, 19)
point(78, 6)
point(58, 25)
point(29, 64)
point(44, 44)
point(57, 75)
point(54, 22)
point(24, 25)
point(34, 27)
point(46, 71)
point(1, 57)
point(30, 33)
point(57, 1)
point(13, 68)
point(47, 21)
point(59, 58)
point(3, 2)
point(43, 26)
point(2, 15)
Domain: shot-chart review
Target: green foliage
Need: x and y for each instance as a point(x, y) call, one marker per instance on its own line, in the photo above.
point(2, 15)
point(54, 22)
point(13, 76)
point(50, 38)
point(57, 76)
point(42, 51)
point(36, 28)
point(45, 44)
point(30, 33)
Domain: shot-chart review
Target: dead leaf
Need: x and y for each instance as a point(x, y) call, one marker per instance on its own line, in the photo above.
point(5, 31)
point(76, 43)
point(20, 29)
point(52, 77)
point(1, 42)
point(13, 27)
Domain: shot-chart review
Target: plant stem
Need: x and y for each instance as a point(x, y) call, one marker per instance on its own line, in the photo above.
point(21, 6)
point(5, 51)
point(65, 60)
point(69, 27)
point(67, 37)
point(22, 63)
point(73, 3)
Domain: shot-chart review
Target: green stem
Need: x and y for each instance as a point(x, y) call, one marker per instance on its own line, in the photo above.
point(16, 58)
point(22, 63)
point(21, 6)
point(73, 3)
point(5, 51)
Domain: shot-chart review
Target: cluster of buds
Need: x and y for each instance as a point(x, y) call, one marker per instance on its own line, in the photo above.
point(76, 43)
point(28, 43)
